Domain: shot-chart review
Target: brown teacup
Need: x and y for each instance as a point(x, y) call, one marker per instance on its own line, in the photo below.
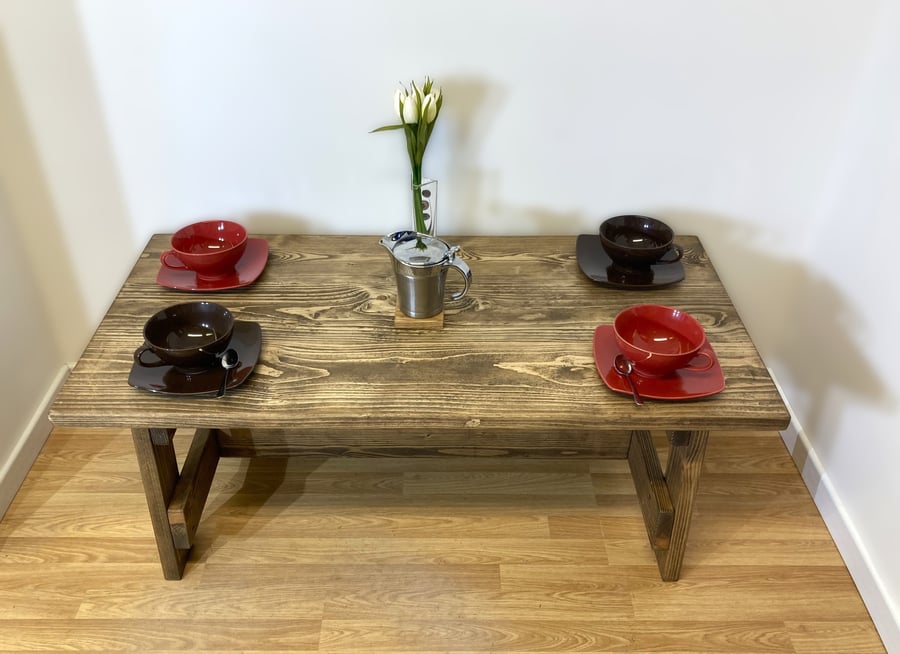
point(639, 241)
point(189, 335)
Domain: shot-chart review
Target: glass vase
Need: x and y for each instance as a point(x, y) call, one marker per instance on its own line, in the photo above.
point(424, 198)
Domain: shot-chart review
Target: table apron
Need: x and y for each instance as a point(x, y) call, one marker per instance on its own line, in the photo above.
point(385, 442)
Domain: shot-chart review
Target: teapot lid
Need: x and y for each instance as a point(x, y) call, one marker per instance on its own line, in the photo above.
point(416, 249)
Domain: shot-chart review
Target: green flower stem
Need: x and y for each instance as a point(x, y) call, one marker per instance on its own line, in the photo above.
point(418, 211)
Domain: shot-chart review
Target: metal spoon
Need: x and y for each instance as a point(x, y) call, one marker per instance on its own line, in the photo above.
point(624, 367)
point(229, 361)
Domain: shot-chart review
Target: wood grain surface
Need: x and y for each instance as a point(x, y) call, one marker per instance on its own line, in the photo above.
point(514, 353)
point(422, 555)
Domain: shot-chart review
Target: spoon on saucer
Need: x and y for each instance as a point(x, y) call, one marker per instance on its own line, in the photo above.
point(624, 367)
point(229, 361)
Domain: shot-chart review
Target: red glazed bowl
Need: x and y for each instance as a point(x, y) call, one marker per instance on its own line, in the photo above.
point(659, 340)
point(211, 248)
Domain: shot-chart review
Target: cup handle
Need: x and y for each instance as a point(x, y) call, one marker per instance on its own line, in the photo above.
point(677, 249)
point(139, 354)
point(463, 269)
point(702, 366)
point(170, 260)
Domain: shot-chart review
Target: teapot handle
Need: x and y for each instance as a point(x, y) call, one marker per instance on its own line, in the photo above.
point(463, 269)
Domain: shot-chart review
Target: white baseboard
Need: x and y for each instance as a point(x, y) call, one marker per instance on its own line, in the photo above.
point(28, 446)
point(884, 613)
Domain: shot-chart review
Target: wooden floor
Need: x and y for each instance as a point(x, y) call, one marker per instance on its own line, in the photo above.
point(421, 555)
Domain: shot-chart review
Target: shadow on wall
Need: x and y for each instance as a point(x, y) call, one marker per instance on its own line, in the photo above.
point(802, 325)
point(30, 206)
point(478, 206)
point(467, 123)
point(273, 222)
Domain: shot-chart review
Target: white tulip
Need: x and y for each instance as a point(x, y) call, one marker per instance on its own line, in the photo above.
point(410, 109)
point(418, 109)
point(429, 109)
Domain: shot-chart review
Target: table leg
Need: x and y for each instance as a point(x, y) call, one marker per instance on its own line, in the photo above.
point(686, 452)
point(667, 500)
point(159, 473)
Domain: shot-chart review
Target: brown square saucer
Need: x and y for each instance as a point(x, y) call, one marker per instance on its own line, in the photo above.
point(170, 380)
point(596, 264)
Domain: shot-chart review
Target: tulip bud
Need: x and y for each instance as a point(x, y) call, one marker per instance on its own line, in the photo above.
point(429, 110)
point(410, 109)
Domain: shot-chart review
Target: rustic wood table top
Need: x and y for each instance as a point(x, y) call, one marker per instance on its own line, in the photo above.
point(514, 354)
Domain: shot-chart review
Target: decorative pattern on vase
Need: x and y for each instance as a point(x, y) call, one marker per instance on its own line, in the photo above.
point(424, 200)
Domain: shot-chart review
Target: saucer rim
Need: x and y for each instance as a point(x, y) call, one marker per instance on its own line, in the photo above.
point(256, 247)
point(674, 269)
point(604, 336)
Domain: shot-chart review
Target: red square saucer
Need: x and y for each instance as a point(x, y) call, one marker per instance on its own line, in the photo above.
point(246, 271)
point(681, 385)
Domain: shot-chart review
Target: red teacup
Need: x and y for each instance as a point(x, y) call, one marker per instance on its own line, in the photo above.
point(659, 340)
point(211, 248)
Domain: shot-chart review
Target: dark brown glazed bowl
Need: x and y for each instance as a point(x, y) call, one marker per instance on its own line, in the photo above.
point(638, 241)
point(188, 335)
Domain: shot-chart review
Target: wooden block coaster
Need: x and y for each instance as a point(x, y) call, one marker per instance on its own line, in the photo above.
point(402, 321)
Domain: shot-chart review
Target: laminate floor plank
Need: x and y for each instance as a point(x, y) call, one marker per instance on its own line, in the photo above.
point(401, 551)
point(434, 555)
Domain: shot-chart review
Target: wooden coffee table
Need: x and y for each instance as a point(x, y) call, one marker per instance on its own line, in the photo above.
point(511, 373)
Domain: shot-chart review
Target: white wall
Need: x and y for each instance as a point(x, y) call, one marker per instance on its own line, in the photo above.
point(66, 242)
point(59, 173)
point(838, 362)
point(31, 354)
point(762, 126)
point(28, 372)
